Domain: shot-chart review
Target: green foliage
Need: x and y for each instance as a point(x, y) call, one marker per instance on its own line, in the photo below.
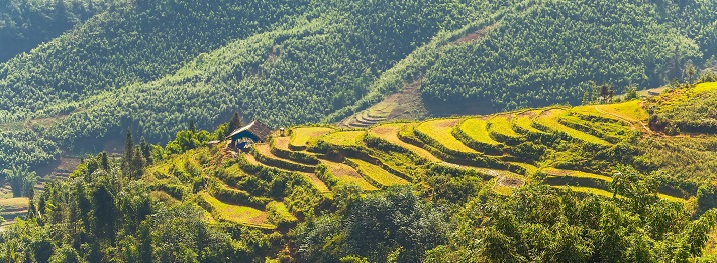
point(574, 27)
point(688, 111)
point(538, 224)
point(21, 180)
point(373, 227)
point(25, 148)
point(25, 24)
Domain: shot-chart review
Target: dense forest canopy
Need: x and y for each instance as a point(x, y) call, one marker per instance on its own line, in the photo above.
point(24, 23)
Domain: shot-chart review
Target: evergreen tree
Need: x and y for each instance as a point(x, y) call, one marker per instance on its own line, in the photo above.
point(128, 153)
point(192, 126)
point(145, 249)
point(144, 148)
point(104, 209)
point(137, 163)
point(236, 122)
point(690, 71)
point(586, 97)
point(104, 161)
point(84, 205)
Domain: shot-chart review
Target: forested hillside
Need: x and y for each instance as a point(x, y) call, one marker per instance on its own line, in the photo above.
point(592, 183)
point(155, 66)
point(24, 24)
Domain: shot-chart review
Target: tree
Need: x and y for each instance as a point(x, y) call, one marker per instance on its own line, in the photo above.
point(594, 93)
point(690, 71)
point(586, 97)
point(606, 93)
point(675, 71)
point(145, 249)
point(631, 93)
point(104, 161)
point(144, 148)
point(21, 181)
point(104, 209)
point(137, 163)
point(128, 153)
point(192, 126)
point(235, 122)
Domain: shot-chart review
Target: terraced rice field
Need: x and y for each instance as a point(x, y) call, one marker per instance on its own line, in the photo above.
point(316, 182)
point(13, 207)
point(549, 121)
point(577, 174)
point(477, 130)
point(264, 151)
point(523, 122)
point(282, 143)
point(300, 136)
point(484, 144)
point(500, 127)
point(286, 165)
point(588, 190)
point(389, 132)
point(347, 174)
point(237, 214)
point(282, 212)
point(344, 138)
point(440, 131)
point(631, 111)
point(377, 174)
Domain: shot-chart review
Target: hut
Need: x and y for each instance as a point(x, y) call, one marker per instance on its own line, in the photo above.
point(243, 137)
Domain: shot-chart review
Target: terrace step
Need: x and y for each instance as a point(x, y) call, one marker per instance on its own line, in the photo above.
point(347, 174)
point(262, 153)
point(320, 185)
point(375, 174)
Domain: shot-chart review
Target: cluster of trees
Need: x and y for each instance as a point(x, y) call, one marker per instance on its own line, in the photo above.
point(24, 148)
point(25, 24)
point(536, 224)
point(105, 213)
point(309, 69)
point(136, 41)
point(21, 181)
point(550, 52)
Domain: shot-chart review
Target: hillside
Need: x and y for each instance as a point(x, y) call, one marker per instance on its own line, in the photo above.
point(155, 66)
point(25, 24)
point(544, 184)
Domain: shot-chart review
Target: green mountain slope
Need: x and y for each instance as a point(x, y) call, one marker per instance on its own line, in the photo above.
point(25, 24)
point(156, 66)
point(134, 42)
point(587, 183)
point(309, 69)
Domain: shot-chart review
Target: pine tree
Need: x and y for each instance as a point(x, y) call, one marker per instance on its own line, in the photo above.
point(104, 161)
point(105, 212)
point(234, 123)
point(137, 163)
point(145, 249)
point(690, 71)
point(586, 97)
point(144, 147)
point(128, 153)
point(192, 126)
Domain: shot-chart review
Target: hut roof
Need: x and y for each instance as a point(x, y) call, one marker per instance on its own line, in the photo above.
point(256, 128)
